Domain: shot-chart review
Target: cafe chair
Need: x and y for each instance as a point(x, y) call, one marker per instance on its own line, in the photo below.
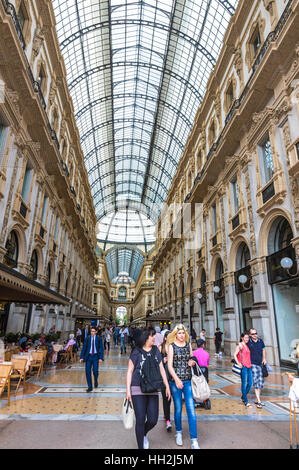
point(5, 370)
point(19, 370)
point(37, 362)
point(45, 353)
point(66, 355)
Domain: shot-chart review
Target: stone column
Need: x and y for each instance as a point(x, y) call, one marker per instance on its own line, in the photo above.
point(187, 316)
point(210, 315)
point(262, 312)
point(179, 311)
point(196, 315)
point(230, 315)
point(46, 310)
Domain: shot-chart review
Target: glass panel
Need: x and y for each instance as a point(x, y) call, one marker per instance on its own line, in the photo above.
point(139, 77)
point(268, 161)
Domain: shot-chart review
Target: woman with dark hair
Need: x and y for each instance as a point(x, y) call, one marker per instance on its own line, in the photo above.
point(163, 348)
point(243, 359)
point(146, 405)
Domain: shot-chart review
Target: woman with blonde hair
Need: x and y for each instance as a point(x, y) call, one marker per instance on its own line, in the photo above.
point(179, 367)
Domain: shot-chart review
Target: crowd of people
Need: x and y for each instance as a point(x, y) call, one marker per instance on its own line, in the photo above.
point(171, 355)
point(177, 353)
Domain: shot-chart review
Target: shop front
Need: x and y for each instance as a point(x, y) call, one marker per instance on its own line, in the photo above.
point(283, 276)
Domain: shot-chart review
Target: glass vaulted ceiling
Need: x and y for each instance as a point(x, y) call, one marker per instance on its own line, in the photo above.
point(137, 72)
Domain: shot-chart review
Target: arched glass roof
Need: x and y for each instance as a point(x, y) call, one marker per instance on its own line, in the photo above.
point(137, 72)
point(119, 259)
point(123, 278)
point(127, 226)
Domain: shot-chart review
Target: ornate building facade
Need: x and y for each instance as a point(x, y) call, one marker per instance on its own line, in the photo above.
point(122, 295)
point(228, 237)
point(47, 224)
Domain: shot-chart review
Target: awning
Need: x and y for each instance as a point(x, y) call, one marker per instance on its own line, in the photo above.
point(15, 287)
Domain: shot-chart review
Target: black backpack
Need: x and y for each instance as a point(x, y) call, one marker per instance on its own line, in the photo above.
point(150, 376)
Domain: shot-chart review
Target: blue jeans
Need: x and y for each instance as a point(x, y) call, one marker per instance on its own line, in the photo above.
point(123, 344)
point(177, 395)
point(246, 378)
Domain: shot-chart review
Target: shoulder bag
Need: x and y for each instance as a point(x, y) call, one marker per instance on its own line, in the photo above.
point(127, 414)
point(237, 369)
point(200, 389)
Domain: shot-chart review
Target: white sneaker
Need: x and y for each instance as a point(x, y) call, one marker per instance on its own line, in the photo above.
point(194, 444)
point(179, 438)
point(145, 442)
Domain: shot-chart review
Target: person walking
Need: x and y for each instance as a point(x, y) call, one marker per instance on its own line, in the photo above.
point(202, 335)
point(203, 358)
point(163, 348)
point(92, 353)
point(218, 340)
point(116, 335)
point(158, 337)
point(193, 334)
point(258, 358)
point(179, 367)
point(243, 359)
point(124, 332)
point(107, 340)
point(146, 405)
point(85, 333)
point(78, 337)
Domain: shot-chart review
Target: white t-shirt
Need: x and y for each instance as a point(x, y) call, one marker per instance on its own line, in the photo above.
point(125, 331)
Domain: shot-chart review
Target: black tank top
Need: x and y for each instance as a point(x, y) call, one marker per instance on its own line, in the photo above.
point(181, 357)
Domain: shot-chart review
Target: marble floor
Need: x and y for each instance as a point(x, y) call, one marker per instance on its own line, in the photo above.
point(59, 395)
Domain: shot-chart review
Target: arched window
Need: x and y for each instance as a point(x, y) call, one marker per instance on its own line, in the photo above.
point(280, 235)
point(243, 256)
point(12, 250)
point(219, 270)
point(122, 292)
point(203, 278)
point(33, 265)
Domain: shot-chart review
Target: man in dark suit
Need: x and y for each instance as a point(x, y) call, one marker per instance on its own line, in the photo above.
point(92, 353)
point(85, 333)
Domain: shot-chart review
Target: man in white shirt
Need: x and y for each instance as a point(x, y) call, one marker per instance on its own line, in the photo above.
point(124, 333)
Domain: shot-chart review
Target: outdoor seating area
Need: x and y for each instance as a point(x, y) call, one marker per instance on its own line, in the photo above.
point(17, 365)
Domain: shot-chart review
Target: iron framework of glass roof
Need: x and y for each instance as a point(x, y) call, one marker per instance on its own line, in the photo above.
point(137, 71)
point(120, 258)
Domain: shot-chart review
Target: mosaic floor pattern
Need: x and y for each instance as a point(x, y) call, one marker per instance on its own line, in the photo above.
point(61, 394)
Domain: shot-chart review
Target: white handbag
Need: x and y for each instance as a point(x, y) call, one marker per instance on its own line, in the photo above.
point(127, 414)
point(200, 389)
